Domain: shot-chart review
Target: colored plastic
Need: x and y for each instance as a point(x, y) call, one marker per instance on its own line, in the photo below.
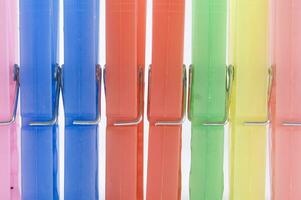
point(80, 95)
point(38, 38)
point(249, 53)
point(208, 98)
point(9, 151)
point(286, 140)
point(125, 57)
point(166, 100)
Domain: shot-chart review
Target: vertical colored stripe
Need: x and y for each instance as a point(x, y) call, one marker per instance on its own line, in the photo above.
point(208, 98)
point(38, 41)
point(286, 140)
point(125, 49)
point(249, 45)
point(80, 94)
point(166, 100)
point(9, 150)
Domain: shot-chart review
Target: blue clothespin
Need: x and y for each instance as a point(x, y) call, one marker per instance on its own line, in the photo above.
point(40, 86)
point(81, 93)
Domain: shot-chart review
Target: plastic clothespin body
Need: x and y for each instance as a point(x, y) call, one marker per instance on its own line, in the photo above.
point(209, 98)
point(40, 88)
point(9, 86)
point(166, 100)
point(81, 82)
point(286, 110)
point(124, 83)
point(249, 54)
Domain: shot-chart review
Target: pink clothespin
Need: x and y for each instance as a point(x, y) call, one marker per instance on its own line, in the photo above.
point(9, 90)
point(286, 106)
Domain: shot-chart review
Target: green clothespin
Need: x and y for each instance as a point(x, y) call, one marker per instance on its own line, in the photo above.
point(210, 82)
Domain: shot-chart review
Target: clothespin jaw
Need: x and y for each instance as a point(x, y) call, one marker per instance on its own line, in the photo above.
point(184, 94)
point(229, 82)
point(98, 118)
point(288, 123)
point(58, 78)
point(139, 118)
point(269, 92)
point(17, 90)
point(53, 121)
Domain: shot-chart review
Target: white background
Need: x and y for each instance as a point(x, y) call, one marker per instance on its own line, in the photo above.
point(186, 126)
